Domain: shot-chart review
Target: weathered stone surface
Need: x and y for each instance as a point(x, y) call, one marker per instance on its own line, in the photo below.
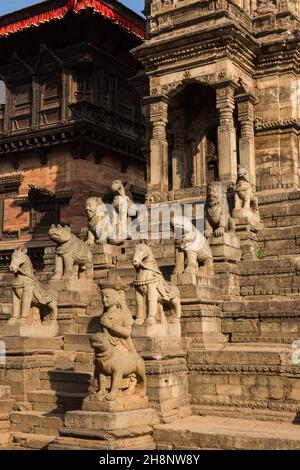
point(109, 421)
point(30, 331)
point(228, 433)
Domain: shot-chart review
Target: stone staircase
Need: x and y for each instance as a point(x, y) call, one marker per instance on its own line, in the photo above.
point(244, 393)
point(60, 391)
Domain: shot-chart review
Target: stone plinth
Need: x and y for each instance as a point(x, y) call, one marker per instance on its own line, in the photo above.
point(247, 225)
point(126, 402)
point(197, 286)
point(246, 217)
point(74, 292)
point(226, 248)
point(30, 331)
point(167, 373)
point(104, 255)
point(131, 429)
point(25, 357)
point(202, 323)
point(157, 330)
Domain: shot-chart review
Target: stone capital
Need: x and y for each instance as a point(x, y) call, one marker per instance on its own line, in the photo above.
point(157, 107)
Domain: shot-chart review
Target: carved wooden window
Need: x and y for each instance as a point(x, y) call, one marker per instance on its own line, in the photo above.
point(22, 98)
point(43, 215)
point(125, 100)
point(84, 85)
point(106, 91)
point(9, 186)
point(51, 99)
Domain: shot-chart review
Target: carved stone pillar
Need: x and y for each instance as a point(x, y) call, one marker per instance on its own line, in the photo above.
point(245, 104)
point(226, 134)
point(178, 154)
point(158, 117)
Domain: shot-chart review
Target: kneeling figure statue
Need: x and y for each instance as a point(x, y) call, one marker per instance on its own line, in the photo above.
point(115, 355)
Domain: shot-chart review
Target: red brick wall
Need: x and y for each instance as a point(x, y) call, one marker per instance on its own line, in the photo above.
point(63, 172)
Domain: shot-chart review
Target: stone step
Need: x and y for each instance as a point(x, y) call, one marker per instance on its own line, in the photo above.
point(55, 402)
point(6, 405)
point(4, 440)
point(5, 424)
point(5, 391)
point(279, 233)
point(36, 422)
point(219, 433)
point(60, 386)
point(77, 342)
point(135, 443)
point(31, 441)
point(270, 306)
point(65, 376)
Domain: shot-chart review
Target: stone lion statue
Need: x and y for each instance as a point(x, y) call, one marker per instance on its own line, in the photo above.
point(217, 219)
point(193, 244)
point(99, 225)
point(73, 258)
point(245, 197)
point(118, 364)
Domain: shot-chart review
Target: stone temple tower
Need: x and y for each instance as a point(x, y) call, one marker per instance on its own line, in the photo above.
point(223, 91)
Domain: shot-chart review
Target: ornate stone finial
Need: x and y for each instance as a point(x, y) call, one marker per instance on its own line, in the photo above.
point(217, 219)
point(152, 290)
point(73, 259)
point(28, 292)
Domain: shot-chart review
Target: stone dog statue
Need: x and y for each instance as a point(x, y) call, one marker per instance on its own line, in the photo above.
point(117, 364)
point(29, 292)
point(217, 219)
point(245, 197)
point(193, 245)
point(73, 258)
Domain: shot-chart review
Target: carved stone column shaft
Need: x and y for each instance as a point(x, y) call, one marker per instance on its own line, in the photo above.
point(245, 104)
point(226, 134)
point(158, 116)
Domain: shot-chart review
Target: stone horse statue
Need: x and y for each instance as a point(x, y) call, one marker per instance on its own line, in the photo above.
point(28, 291)
point(152, 290)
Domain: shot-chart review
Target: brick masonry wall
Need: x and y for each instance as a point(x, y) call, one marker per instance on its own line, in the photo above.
point(63, 172)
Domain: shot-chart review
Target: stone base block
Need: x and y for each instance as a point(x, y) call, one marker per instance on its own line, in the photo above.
point(226, 248)
point(197, 286)
point(202, 323)
point(75, 292)
point(124, 403)
point(158, 330)
point(104, 255)
point(108, 421)
point(132, 439)
point(30, 331)
point(159, 348)
point(246, 217)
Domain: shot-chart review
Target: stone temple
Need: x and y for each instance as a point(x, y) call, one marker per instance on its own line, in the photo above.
point(126, 321)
